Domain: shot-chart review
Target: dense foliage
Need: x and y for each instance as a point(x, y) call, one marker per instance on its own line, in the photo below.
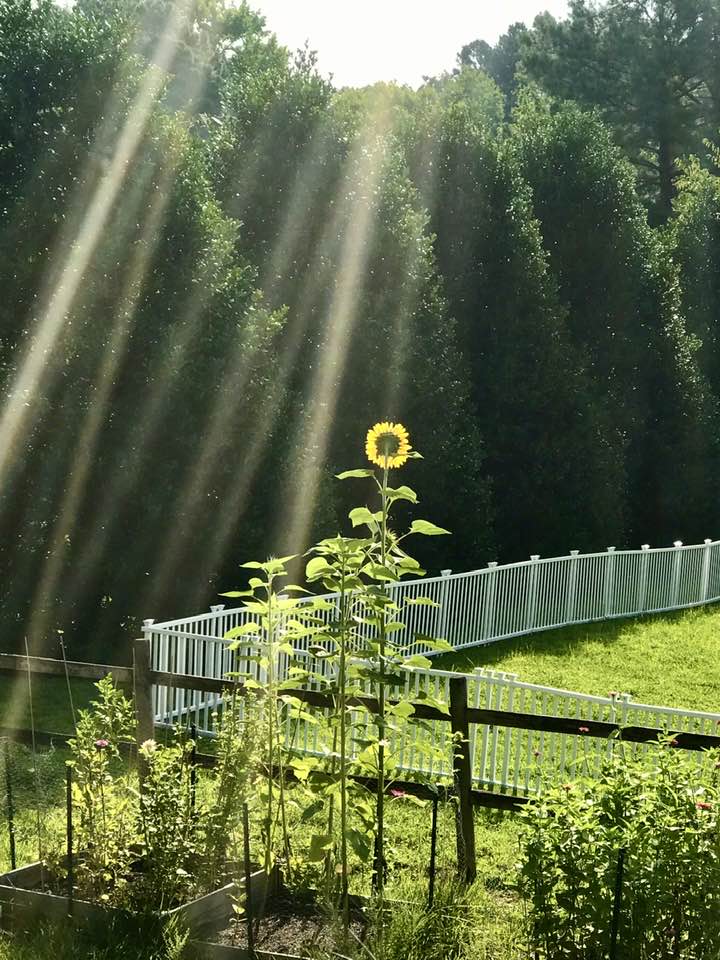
point(218, 270)
point(630, 857)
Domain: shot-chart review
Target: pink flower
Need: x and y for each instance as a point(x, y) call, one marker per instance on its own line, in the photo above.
point(102, 744)
point(703, 805)
point(398, 793)
point(584, 729)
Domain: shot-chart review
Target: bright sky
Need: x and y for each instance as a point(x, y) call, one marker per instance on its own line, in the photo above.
point(361, 41)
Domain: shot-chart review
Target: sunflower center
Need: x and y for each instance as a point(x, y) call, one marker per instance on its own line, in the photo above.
point(388, 444)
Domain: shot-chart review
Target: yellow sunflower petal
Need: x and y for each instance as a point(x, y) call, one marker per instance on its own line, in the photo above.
point(387, 445)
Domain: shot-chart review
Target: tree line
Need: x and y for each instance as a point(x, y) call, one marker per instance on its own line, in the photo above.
point(219, 271)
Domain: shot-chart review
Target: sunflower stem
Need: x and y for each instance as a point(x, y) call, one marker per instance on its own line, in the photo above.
point(380, 840)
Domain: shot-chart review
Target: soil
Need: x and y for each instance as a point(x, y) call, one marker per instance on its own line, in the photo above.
point(292, 924)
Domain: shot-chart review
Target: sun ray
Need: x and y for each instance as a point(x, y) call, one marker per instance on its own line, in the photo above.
point(60, 298)
point(94, 421)
point(365, 167)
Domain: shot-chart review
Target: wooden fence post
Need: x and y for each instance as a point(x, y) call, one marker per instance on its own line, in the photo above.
point(462, 775)
point(142, 684)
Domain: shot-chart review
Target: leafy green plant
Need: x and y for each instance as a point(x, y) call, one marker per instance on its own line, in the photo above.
point(281, 621)
point(169, 830)
point(358, 653)
point(239, 730)
point(660, 807)
point(101, 796)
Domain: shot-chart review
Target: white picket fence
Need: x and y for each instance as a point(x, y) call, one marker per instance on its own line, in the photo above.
point(481, 607)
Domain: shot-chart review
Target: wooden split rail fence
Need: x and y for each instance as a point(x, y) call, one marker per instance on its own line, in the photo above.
point(461, 717)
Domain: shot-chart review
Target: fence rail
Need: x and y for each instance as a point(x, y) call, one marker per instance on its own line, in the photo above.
point(509, 600)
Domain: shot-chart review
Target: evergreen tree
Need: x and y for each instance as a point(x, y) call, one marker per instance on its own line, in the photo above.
point(620, 293)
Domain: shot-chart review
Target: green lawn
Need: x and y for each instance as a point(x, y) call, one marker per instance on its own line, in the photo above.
point(670, 659)
point(50, 702)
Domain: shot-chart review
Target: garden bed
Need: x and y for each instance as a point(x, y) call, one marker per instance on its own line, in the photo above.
point(293, 925)
point(29, 894)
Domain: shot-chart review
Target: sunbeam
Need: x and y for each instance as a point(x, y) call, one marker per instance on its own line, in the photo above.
point(87, 440)
point(225, 414)
point(358, 213)
point(59, 300)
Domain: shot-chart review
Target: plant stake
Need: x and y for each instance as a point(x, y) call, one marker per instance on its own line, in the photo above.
point(10, 806)
point(616, 904)
point(69, 832)
point(193, 768)
point(248, 887)
point(433, 851)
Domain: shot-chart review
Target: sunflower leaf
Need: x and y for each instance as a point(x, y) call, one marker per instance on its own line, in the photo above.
point(361, 515)
point(347, 474)
point(427, 528)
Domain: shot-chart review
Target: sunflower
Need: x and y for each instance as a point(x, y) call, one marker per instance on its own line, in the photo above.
point(387, 445)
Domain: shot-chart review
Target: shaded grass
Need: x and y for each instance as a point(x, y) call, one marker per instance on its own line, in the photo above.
point(121, 939)
point(50, 702)
point(669, 659)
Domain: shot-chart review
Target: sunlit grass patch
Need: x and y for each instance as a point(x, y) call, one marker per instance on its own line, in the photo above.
point(669, 659)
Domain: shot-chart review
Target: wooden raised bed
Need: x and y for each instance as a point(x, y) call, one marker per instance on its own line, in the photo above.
point(292, 907)
point(22, 900)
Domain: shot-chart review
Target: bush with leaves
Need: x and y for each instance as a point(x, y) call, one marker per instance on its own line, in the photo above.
point(102, 797)
point(658, 805)
point(169, 829)
point(239, 733)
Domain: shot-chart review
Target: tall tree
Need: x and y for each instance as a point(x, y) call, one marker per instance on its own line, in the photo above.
point(535, 410)
point(642, 64)
point(500, 62)
point(620, 292)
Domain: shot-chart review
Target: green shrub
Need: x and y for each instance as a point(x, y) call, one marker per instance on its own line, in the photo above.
point(660, 806)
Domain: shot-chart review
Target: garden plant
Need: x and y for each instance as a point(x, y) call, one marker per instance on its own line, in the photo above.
point(627, 864)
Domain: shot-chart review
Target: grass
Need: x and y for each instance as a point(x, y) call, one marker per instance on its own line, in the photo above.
point(50, 702)
point(669, 660)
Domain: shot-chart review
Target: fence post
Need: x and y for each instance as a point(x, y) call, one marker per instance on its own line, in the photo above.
point(462, 776)
point(488, 617)
point(142, 683)
point(442, 620)
point(572, 587)
point(609, 581)
point(643, 583)
point(217, 608)
point(675, 583)
point(532, 591)
point(705, 574)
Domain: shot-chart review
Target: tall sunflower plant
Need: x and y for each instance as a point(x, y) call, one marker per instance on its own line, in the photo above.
point(360, 655)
